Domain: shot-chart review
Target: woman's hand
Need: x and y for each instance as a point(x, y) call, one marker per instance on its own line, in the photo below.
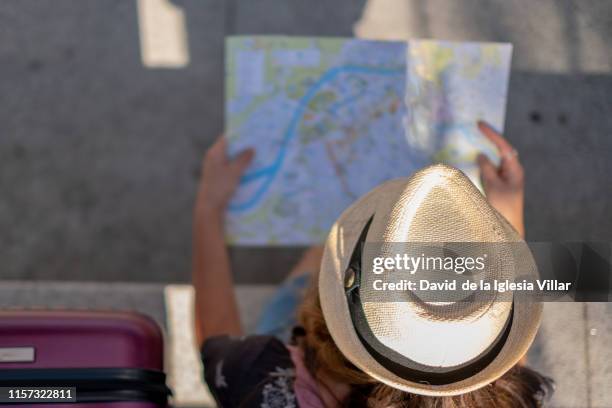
point(503, 185)
point(220, 177)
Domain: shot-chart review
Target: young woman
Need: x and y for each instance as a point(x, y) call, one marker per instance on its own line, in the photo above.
point(338, 350)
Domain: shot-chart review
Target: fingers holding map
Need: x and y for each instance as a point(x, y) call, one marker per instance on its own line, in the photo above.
point(332, 118)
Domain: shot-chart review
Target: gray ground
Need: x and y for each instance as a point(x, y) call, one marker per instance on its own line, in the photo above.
point(100, 155)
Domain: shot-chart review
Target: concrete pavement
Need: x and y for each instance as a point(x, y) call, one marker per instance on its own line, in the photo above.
point(100, 154)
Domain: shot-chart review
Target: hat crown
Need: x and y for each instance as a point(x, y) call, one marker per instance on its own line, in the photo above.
point(439, 207)
point(439, 204)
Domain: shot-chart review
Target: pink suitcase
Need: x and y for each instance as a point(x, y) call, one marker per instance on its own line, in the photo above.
point(112, 359)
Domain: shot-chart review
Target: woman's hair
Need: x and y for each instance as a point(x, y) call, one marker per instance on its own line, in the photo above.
point(519, 387)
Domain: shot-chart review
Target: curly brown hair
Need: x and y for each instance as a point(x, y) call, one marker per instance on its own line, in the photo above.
point(519, 387)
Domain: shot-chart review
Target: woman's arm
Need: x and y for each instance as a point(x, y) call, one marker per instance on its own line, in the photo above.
point(216, 311)
point(503, 185)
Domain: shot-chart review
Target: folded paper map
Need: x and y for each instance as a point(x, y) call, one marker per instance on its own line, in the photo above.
point(331, 118)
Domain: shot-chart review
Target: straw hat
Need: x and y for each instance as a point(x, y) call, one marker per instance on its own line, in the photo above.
point(420, 347)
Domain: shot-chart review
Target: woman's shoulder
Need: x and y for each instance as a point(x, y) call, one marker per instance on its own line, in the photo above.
point(249, 371)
